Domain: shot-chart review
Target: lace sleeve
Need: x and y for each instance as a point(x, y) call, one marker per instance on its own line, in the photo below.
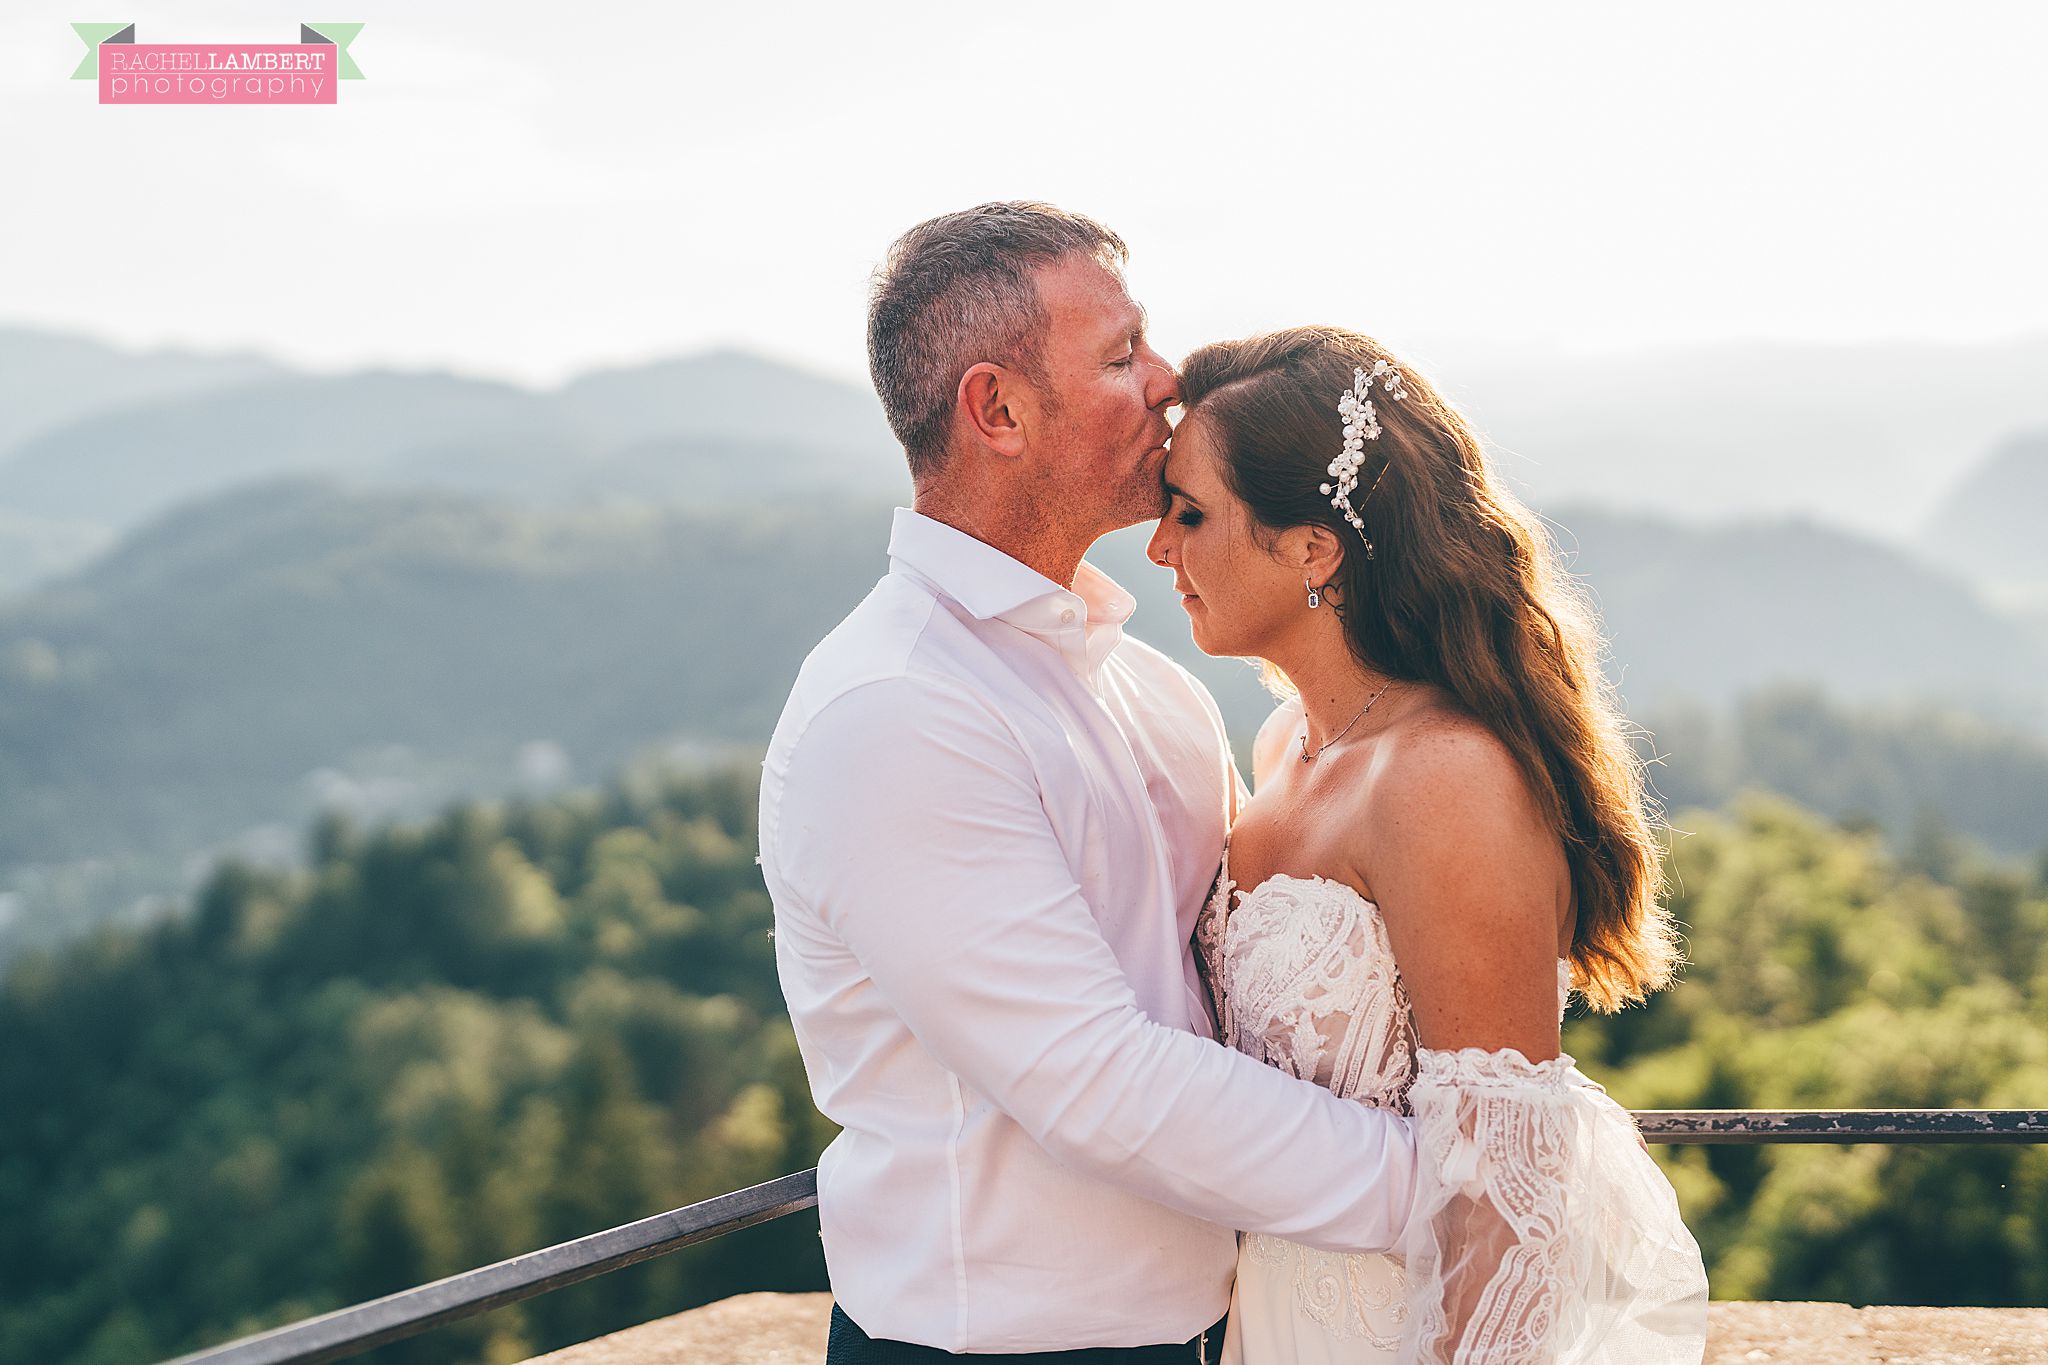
point(1543, 1233)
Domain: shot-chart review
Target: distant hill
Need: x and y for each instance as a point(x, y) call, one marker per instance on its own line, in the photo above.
point(460, 586)
point(1915, 771)
point(48, 378)
point(731, 395)
point(720, 428)
point(94, 441)
point(122, 467)
point(200, 677)
point(1994, 523)
point(1712, 613)
point(649, 433)
point(208, 673)
point(33, 549)
point(1864, 437)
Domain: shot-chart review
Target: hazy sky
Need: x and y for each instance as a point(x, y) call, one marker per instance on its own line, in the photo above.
point(528, 189)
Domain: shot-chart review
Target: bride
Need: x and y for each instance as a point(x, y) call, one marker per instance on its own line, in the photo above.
point(1449, 834)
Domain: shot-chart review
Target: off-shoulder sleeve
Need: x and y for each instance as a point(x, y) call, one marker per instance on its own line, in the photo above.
point(1543, 1233)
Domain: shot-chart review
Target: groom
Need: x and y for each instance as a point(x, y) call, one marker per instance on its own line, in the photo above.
point(988, 821)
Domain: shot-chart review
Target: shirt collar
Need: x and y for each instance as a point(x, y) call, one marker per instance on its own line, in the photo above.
point(993, 586)
point(981, 578)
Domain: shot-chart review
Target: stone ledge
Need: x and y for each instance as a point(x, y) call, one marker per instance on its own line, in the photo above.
point(789, 1329)
point(1836, 1334)
point(748, 1329)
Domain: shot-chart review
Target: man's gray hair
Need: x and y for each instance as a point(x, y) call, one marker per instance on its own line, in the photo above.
point(958, 290)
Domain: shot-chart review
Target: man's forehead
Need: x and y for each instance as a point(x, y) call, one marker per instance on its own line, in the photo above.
point(1081, 286)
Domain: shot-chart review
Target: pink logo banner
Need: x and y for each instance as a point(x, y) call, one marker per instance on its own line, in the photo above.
point(217, 73)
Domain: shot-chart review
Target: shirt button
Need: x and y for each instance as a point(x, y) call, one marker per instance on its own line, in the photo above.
point(1067, 618)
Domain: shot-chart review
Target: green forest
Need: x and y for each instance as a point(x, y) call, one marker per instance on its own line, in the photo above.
point(438, 1047)
point(443, 1044)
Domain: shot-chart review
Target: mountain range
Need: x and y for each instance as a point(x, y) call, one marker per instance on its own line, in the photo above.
point(719, 429)
point(205, 673)
point(95, 440)
point(249, 594)
point(1869, 438)
point(1993, 525)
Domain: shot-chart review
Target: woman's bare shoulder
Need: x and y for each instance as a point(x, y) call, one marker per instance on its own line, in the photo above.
point(1472, 882)
point(1448, 805)
point(1438, 755)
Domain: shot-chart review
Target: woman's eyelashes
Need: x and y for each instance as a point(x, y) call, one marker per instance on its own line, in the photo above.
point(1189, 517)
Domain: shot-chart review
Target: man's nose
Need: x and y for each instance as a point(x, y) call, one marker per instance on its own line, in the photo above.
point(1164, 389)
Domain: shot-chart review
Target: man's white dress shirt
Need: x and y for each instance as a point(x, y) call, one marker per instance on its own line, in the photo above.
point(988, 822)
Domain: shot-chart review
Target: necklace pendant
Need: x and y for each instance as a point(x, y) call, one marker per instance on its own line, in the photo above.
point(1306, 756)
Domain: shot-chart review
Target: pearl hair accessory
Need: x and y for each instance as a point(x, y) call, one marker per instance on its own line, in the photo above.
point(1361, 424)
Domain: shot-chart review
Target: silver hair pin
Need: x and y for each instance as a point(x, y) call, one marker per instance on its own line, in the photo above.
point(1361, 424)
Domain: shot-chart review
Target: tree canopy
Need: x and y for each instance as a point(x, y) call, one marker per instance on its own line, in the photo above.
point(444, 1044)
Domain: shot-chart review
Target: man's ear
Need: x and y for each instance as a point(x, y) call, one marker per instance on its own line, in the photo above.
point(997, 401)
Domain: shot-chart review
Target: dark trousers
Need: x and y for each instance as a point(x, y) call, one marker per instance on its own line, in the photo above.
point(851, 1346)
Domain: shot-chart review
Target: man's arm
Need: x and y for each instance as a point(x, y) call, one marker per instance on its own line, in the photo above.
point(910, 823)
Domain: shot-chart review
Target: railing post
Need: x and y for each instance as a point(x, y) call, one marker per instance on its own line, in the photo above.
point(1694, 1126)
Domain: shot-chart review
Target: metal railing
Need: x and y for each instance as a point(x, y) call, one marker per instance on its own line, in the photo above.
point(350, 1331)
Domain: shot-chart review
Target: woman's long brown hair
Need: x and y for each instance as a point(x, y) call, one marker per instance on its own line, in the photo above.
point(1462, 591)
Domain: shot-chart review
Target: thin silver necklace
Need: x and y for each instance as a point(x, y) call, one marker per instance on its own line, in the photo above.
point(1323, 748)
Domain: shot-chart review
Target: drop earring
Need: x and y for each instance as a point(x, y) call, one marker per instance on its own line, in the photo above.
point(1315, 598)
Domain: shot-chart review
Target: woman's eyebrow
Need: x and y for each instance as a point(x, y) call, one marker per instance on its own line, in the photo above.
point(1174, 491)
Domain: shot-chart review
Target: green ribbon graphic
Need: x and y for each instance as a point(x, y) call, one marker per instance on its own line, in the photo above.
point(94, 35)
point(341, 35)
point(337, 36)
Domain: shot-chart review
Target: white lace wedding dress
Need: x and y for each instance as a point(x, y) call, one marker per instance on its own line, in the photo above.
point(1543, 1232)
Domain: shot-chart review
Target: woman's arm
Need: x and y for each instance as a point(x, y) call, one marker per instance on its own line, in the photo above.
point(1474, 886)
